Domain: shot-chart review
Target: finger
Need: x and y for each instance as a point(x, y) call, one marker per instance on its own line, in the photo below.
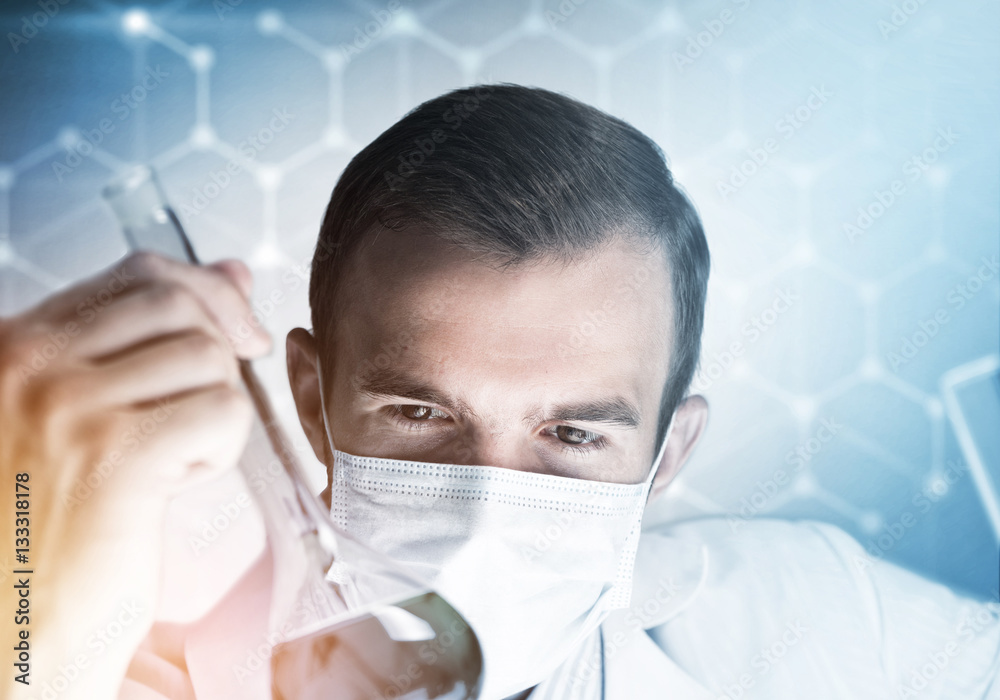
point(214, 289)
point(223, 301)
point(87, 296)
point(238, 272)
point(172, 365)
point(155, 310)
point(151, 676)
point(200, 432)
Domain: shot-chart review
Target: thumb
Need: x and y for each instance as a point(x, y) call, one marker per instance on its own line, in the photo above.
point(238, 272)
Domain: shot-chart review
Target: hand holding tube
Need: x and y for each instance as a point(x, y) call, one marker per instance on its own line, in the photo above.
point(116, 393)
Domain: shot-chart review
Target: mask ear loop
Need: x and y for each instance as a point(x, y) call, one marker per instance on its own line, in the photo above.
point(326, 422)
point(632, 539)
point(659, 455)
point(322, 406)
point(703, 578)
point(600, 612)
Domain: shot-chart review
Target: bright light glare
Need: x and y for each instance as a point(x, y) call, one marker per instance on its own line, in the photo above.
point(201, 57)
point(135, 22)
point(269, 22)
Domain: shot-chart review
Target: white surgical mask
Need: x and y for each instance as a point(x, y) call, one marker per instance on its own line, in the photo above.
point(534, 562)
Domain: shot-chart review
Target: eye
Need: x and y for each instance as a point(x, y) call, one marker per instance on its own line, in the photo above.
point(576, 436)
point(419, 413)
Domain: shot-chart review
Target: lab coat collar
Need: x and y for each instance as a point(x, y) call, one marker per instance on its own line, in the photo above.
point(670, 575)
point(620, 660)
point(637, 669)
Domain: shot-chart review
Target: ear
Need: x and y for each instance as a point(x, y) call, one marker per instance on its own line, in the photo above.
point(689, 419)
point(303, 376)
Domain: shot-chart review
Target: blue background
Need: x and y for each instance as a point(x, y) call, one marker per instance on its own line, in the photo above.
point(715, 83)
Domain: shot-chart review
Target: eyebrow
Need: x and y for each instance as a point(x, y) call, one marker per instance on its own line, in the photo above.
point(390, 382)
point(617, 411)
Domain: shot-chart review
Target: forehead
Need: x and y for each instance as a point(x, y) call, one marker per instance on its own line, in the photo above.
point(606, 316)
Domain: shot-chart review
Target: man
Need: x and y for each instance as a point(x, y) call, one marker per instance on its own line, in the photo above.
point(507, 300)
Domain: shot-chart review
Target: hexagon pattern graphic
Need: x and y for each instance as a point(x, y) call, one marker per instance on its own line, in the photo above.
point(843, 157)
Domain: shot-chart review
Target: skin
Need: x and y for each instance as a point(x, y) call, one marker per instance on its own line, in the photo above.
point(486, 341)
point(154, 363)
point(440, 357)
point(471, 370)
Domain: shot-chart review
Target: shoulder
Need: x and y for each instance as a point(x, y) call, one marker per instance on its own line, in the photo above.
point(774, 553)
point(774, 601)
point(783, 602)
point(758, 565)
point(762, 536)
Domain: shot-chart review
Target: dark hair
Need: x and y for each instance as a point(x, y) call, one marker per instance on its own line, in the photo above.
point(517, 173)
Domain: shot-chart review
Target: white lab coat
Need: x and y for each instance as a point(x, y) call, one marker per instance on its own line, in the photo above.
point(782, 610)
point(774, 610)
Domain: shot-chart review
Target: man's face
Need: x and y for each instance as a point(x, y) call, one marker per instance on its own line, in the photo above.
point(549, 367)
